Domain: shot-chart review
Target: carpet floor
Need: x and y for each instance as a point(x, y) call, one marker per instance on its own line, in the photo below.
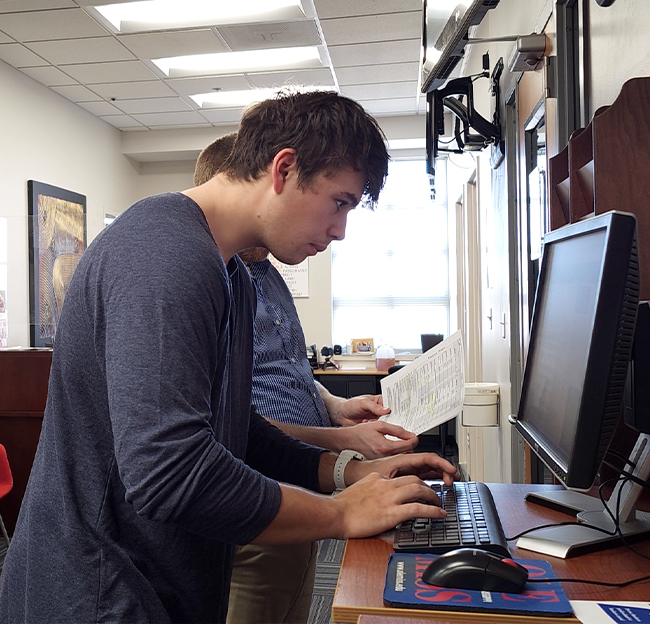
point(330, 556)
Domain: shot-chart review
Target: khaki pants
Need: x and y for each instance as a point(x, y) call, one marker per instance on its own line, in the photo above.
point(272, 584)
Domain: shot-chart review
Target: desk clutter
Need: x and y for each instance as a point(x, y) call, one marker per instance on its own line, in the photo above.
point(404, 588)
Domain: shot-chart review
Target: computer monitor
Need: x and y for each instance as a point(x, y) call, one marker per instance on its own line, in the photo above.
point(429, 341)
point(435, 127)
point(581, 339)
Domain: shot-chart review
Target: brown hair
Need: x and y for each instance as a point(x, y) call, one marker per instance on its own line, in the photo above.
point(212, 157)
point(329, 132)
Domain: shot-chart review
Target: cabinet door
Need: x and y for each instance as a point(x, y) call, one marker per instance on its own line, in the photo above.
point(362, 386)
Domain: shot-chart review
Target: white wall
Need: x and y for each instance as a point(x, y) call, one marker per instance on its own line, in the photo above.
point(48, 139)
point(165, 177)
point(616, 59)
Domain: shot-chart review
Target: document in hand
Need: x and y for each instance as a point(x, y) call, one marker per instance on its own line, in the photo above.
point(430, 390)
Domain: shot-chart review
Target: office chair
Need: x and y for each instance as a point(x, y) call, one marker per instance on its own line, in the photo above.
point(6, 483)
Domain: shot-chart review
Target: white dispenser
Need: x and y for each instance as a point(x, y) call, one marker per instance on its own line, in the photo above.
point(480, 406)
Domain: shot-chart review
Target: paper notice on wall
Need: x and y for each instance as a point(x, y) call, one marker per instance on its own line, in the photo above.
point(430, 390)
point(296, 276)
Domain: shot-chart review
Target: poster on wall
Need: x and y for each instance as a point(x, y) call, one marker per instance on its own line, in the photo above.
point(296, 276)
point(57, 239)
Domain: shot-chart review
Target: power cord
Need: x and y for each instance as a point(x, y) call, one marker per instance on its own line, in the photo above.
point(617, 529)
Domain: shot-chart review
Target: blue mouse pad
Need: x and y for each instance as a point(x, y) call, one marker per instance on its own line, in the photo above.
point(405, 588)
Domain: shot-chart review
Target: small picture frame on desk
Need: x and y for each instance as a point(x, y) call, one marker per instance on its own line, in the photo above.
point(363, 345)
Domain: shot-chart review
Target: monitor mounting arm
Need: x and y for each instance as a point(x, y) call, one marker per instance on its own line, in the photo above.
point(485, 132)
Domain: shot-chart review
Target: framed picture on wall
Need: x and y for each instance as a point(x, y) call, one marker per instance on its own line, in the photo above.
point(57, 239)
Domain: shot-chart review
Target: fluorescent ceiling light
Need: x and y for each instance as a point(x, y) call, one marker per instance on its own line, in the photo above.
point(237, 62)
point(163, 14)
point(236, 99)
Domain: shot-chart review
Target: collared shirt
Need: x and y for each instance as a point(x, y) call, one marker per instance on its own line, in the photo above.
point(283, 383)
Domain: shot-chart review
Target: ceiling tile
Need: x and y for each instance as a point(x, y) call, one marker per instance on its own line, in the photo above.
point(77, 93)
point(375, 53)
point(49, 25)
point(170, 119)
point(192, 86)
point(99, 108)
point(371, 28)
point(132, 90)
point(397, 106)
point(338, 8)
point(381, 91)
point(122, 121)
point(18, 55)
point(16, 6)
point(49, 76)
point(91, 50)
point(375, 74)
point(122, 71)
point(271, 80)
point(271, 35)
point(5, 38)
point(152, 105)
point(178, 43)
point(223, 116)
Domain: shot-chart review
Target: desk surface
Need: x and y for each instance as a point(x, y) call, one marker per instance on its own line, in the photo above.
point(369, 370)
point(361, 579)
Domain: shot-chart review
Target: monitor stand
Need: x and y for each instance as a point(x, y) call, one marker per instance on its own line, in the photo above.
point(578, 539)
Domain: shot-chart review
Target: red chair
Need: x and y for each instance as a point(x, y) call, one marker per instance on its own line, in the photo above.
point(6, 483)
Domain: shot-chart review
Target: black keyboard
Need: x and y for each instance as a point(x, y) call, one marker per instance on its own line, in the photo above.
point(472, 522)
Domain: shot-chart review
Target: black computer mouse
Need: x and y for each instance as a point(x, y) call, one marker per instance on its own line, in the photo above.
point(470, 568)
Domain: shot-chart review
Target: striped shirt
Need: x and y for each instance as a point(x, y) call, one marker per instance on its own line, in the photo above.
point(283, 383)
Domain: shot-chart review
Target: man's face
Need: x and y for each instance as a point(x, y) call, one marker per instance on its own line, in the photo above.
point(306, 220)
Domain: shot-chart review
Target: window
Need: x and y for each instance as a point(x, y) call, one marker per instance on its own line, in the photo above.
point(390, 276)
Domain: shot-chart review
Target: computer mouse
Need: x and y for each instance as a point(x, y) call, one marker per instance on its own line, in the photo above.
point(470, 568)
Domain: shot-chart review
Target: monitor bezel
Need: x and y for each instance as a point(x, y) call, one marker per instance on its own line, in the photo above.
point(609, 351)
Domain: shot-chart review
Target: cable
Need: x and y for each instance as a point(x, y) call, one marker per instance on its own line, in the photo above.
point(559, 524)
point(590, 582)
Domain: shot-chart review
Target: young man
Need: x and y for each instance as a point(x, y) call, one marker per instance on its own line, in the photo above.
point(151, 463)
point(273, 583)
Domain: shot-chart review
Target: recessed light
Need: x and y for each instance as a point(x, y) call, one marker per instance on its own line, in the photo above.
point(163, 14)
point(238, 62)
point(235, 99)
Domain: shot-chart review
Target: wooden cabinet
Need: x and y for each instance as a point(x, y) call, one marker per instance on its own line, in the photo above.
point(24, 377)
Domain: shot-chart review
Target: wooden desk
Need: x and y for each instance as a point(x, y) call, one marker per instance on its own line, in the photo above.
point(361, 579)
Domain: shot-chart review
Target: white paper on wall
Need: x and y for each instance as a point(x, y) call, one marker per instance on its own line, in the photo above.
point(296, 276)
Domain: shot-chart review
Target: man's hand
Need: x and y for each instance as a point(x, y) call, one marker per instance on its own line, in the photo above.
point(347, 412)
point(422, 465)
point(370, 439)
point(376, 504)
point(384, 493)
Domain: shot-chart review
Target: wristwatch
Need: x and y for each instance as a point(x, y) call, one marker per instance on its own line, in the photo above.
point(339, 467)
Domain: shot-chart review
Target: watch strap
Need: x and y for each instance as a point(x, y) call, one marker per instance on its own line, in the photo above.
point(339, 467)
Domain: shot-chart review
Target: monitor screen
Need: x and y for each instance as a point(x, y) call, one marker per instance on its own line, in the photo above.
point(580, 344)
point(445, 29)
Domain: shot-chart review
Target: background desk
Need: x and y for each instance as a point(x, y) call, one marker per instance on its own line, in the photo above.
point(361, 579)
point(350, 383)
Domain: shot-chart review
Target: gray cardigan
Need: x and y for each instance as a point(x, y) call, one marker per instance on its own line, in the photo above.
point(146, 473)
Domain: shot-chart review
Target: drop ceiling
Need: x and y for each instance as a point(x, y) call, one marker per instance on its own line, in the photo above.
point(373, 46)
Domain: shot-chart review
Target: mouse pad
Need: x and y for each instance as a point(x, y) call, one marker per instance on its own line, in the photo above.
point(405, 588)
